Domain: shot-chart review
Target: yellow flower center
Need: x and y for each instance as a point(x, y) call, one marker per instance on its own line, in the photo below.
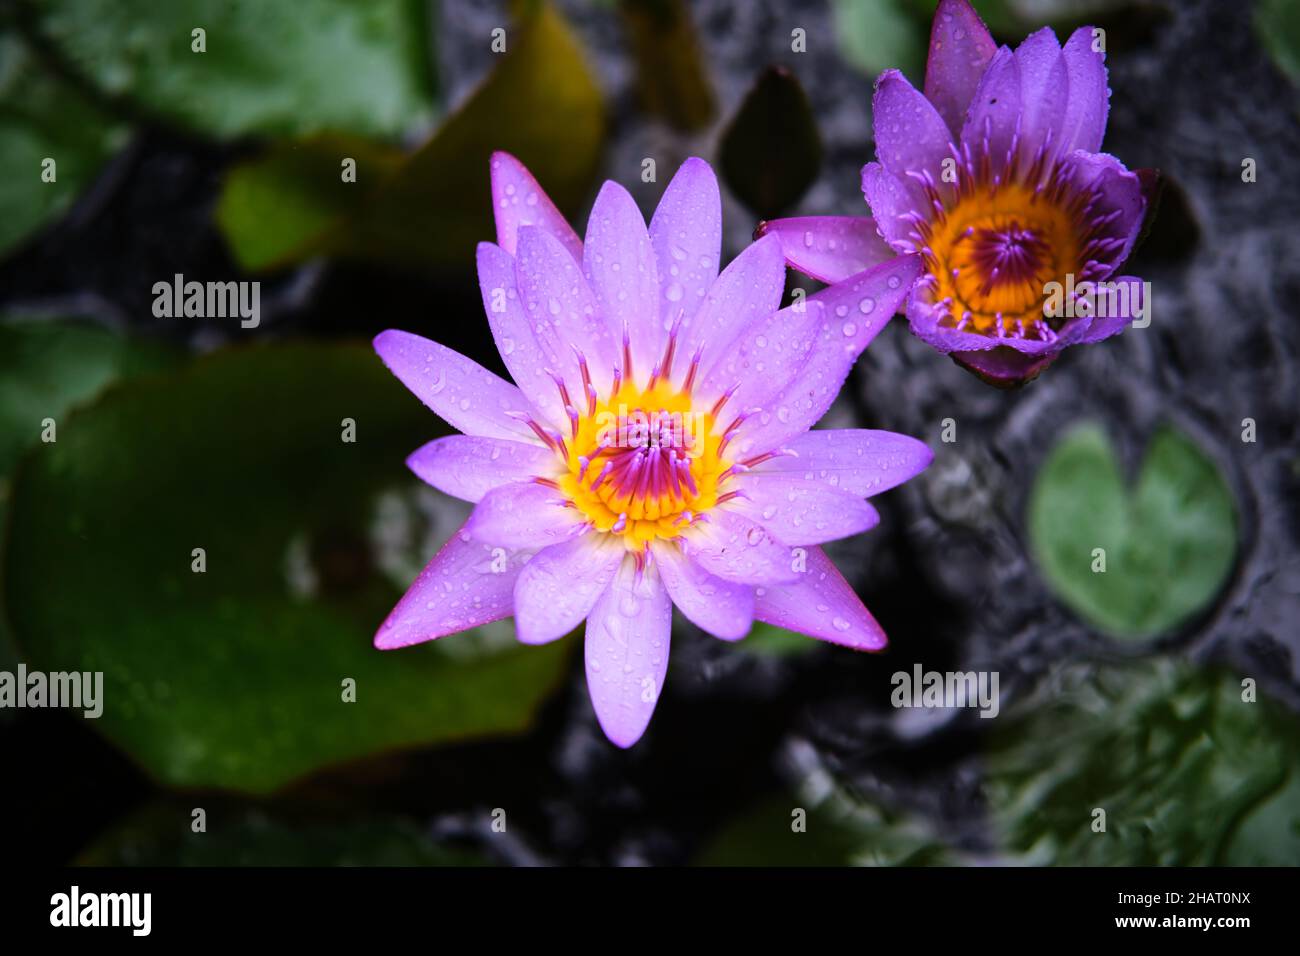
point(644, 463)
point(993, 250)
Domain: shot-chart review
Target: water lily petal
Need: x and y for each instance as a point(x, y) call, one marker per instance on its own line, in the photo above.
point(829, 248)
point(719, 607)
point(517, 200)
point(462, 393)
point(468, 467)
point(960, 50)
point(860, 461)
point(560, 584)
point(821, 604)
point(524, 514)
point(798, 512)
point(995, 110)
point(736, 549)
point(467, 584)
point(523, 355)
point(563, 313)
point(626, 650)
point(1083, 124)
point(1044, 87)
point(748, 291)
point(892, 202)
point(911, 137)
point(686, 233)
point(619, 262)
point(847, 316)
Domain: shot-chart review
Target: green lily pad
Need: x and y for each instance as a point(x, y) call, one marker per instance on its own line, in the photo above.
point(283, 207)
point(541, 104)
point(267, 68)
point(1278, 24)
point(771, 151)
point(234, 677)
point(47, 368)
point(1169, 545)
point(44, 118)
point(768, 640)
point(163, 835)
point(874, 35)
point(1187, 772)
point(837, 831)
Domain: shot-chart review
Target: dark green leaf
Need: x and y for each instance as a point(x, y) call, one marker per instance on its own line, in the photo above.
point(875, 35)
point(671, 79)
point(163, 835)
point(433, 207)
point(1169, 545)
point(233, 677)
point(1187, 772)
point(771, 152)
point(836, 832)
point(1278, 25)
point(271, 68)
point(47, 368)
point(43, 118)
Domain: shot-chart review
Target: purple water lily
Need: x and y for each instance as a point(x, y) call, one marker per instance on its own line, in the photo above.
point(656, 447)
point(994, 177)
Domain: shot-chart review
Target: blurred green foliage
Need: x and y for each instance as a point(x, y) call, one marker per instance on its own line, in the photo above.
point(43, 117)
point(234, 677)
point(1169, 544)
point(46, 369)
point(1278, 25)
point(266, 68)
point(163, 835)
point(430, 209)
point(831, 830)
point(1187, 772)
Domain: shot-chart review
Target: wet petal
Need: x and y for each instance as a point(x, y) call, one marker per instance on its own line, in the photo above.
point(517, 200)
point(686, 233)
point(910, 134)
point(736, 549)
point(891, 202)
point(994, 114)
point(847, 316)
point(748, 291)
point(764, 359)
point(721, 608)
point(960, 50)
point(797, 512)
point(1083, 124)
point(468, 468)
point(467, 584)
point(524, 515)
point(562, 313)
point(1121, 193)
point(560, 585)
point(460, 391)
point(820, 604)
point(626, 650)
point(620, 266)
point(523, 355)
point(1043, 90)
point(829, 248)
point(860, 461)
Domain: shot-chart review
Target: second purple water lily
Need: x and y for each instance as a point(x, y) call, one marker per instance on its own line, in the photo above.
point(994, 176)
